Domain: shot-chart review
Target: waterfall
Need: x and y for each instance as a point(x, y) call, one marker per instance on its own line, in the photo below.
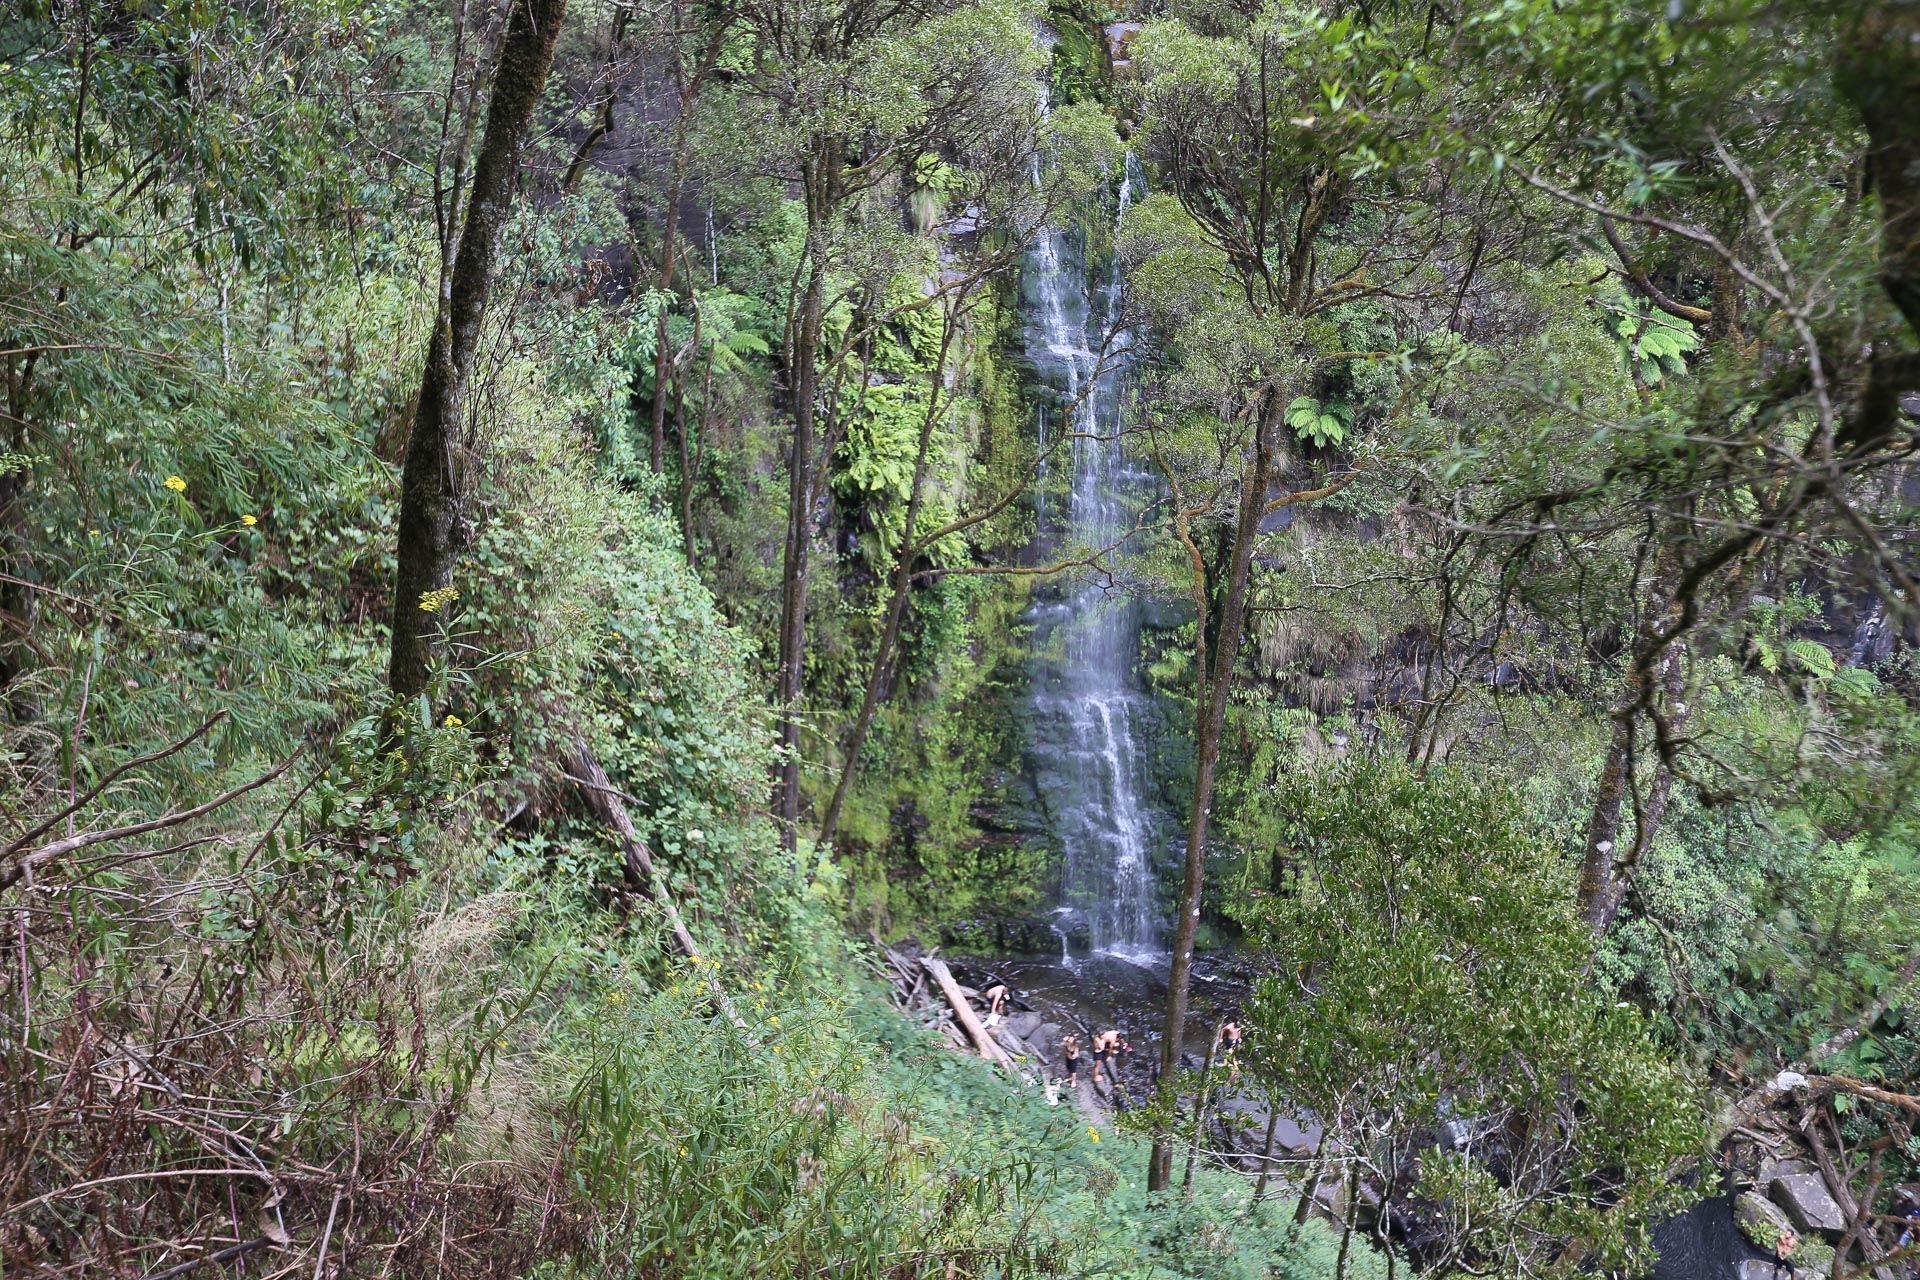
point(1087, 704)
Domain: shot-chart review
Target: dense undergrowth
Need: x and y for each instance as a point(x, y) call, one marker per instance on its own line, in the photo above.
point(298, 980)
point(284, 992)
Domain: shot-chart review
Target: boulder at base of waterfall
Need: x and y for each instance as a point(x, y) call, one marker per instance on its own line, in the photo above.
point(1046, 1046)
point(1760, 1221)
point(1804, 1196)
point(1024, 1024)
point(1763, 1269)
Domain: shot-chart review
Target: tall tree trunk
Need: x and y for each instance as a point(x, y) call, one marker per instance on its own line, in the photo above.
point(823, 178)
point(1266, 1155)
point(17, 604)
point(1304, 1205)
point(689, 98)
point(692, 454)
point(1603, 822)
point(662, 355)
point(1202, 1096)
point(16, 598)
point(1353, 1216)
point(433, 479)
point(1211, 719)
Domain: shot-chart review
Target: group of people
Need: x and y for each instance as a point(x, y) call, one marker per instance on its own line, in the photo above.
point(1105, 1047)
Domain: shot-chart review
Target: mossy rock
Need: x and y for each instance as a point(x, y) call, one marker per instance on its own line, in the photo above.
point(1814, 1255)
point(1760, 1220)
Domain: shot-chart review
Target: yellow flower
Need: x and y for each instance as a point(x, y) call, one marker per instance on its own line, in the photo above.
point(437, 599)
point(454, 722)
point(1093, 1133)
point(176, 484)
point(249, 521)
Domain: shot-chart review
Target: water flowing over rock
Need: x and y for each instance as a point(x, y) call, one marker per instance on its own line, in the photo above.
point(1087, 704)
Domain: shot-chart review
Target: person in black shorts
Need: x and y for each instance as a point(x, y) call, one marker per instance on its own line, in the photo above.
point(1107, 1046)
point(1071, 1046)
point(1230, 1038)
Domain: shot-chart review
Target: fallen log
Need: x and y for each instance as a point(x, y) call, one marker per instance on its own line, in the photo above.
point(1861, 1089)
point(639, 869)
point(963, 1011)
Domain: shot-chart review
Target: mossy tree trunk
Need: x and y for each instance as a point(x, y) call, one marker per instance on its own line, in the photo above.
point(433, 480)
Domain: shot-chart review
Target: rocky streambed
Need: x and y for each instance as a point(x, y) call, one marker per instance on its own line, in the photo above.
point(1053, 997)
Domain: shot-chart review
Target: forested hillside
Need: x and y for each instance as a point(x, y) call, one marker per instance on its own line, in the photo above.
point(708, 638)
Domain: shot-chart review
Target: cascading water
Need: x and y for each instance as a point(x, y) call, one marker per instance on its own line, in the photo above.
point(1087, 704)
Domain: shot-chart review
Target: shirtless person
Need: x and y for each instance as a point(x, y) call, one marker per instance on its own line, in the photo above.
point(1107, 1046)
point(1071, 1047)
point(996, 1003)
point(1230, 1038)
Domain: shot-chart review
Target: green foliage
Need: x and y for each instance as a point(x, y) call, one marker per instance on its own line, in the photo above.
point(703, 1145)
point(1428, 974)
point(411, 955)
point(1653, 347)
point(1323, 425)
point(1078, 73)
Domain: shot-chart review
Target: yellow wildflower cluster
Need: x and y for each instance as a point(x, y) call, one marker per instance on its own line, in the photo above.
point(454, 722)
point(175, 483)
point(249, 521)
point(437, 599)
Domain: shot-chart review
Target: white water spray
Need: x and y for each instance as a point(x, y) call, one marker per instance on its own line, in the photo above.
point(1087, 703)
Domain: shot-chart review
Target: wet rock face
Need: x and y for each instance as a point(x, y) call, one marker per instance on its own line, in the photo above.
point(1036, 935)
point(1805, 1199)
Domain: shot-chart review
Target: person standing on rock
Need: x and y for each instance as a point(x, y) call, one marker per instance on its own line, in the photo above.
point(1230, 1038)
point(1108, 1046)
point(1071, 1047)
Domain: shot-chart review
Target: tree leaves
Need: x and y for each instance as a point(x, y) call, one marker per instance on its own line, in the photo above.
point(1324, 425)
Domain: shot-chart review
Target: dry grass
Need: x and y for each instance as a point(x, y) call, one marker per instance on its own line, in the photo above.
point(230, 1050)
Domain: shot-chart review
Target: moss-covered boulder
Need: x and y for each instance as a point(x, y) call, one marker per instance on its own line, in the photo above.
point(1760, 1220)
